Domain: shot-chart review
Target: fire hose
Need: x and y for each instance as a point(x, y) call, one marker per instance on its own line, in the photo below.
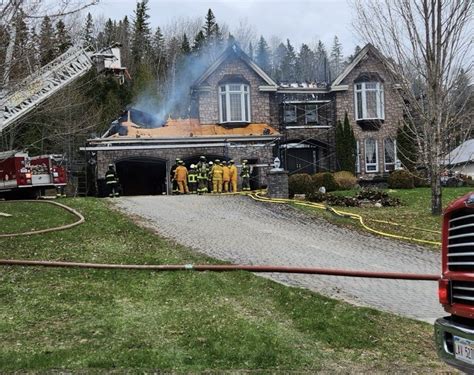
point(215, 268)
point(225, 268)
point(80, 220)
point(257, 197)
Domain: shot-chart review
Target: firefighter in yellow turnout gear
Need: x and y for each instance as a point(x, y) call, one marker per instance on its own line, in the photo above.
point(233, 176)
point(245, 174)
point(193, 179)
point(181, 177)
point(225, 177)
point(217, 174)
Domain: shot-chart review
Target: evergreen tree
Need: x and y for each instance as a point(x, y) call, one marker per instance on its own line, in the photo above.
point(407, 151)
point(288, 65)
point(336, 61)
point(346, 146)
point(46, 41)
point(141, 43)
point(109, 34)
point(123, 36)
point(88, 37)
point(185, 47)
point(262, 57)
point(21, 64)
point(199, 43)
point(322, 63)
point(159, 54)
point(277, 57)
point(305, 67)
point(350, 146)
point(62, 38)
point(356, 52)
point(210, 26)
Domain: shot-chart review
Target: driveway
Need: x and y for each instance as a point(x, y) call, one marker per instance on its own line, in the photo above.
point(240, 230)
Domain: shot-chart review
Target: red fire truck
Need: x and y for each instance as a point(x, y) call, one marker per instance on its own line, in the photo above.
point(22, 176)
point(455, 333)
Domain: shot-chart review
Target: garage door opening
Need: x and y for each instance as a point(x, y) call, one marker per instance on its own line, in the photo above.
point(142, 176)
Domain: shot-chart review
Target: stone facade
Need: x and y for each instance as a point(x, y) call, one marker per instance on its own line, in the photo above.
point(208, 97)
point(393, 109)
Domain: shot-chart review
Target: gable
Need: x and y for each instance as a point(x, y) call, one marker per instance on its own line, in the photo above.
point(234, 54)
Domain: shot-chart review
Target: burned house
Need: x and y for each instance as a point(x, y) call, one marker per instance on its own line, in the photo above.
point(239, 112)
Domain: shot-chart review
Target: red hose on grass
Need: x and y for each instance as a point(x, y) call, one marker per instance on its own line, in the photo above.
point(226, 268)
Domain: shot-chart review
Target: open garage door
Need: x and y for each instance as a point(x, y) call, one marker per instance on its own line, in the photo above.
point(142, 176)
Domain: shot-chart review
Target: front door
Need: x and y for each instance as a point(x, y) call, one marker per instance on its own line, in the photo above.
point(300, 160)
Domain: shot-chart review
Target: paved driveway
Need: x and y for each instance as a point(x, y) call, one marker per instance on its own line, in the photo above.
point(239, 230)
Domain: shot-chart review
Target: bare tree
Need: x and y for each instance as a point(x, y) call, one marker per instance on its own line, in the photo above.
point(428, 43)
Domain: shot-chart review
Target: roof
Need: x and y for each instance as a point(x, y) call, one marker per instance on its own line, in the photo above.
point(235, 51)
point(357, 59)
point(464, 153)
point(187, 128)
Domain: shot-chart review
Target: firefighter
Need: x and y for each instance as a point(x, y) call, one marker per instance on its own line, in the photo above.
point(181, 177)
point(192, 179)
point(225, 177)
point(174, 183)
point(202, 175)
point(209, 177)
point(233, 176)
point(245, 174)
point(217, 172)
point(111, 181)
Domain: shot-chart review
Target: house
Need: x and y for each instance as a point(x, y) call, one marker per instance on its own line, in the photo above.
point(461, 159)
point(239, 112)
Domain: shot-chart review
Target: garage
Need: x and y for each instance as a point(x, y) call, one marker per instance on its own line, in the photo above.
point(142, 176)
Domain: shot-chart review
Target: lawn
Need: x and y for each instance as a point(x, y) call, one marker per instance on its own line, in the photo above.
point(97, 320)
point(414, 214)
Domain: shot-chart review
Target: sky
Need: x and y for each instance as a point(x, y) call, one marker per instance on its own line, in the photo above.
point(302, 21)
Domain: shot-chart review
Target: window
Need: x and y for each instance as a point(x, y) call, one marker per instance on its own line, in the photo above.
point(369, 101)
point(357, 157)
point(371, 158)
point(390, 154)
point(234, 103)
point(311, 113)
point(289, 113)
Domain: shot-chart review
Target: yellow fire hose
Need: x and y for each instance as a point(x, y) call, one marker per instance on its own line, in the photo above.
point(257, 197)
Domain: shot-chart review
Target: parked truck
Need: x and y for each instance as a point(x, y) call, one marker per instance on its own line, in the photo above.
point(455, 333)
point(22, 176)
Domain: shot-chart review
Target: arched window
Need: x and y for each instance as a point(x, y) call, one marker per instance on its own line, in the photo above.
point(369, 101)
point(234, 102)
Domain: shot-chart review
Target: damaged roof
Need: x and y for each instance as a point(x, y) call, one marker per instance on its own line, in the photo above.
point(185, 128)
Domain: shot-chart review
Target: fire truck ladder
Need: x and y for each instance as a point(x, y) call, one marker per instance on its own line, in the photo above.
point(40, 85)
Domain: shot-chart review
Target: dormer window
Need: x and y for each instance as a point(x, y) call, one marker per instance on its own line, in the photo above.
point(369, 101)
point(234, 103)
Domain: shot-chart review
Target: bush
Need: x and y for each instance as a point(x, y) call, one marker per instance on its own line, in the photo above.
point(325, 179)
point(300, 183)
point(345, 180)
point(401, 180)
point(376, 195)
point(420, 179)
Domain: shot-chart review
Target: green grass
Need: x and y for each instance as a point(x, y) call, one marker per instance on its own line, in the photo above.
point(96, 320)
point(29, 216)
point(414, 213)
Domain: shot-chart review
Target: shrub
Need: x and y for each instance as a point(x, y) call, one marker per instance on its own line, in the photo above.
point(345, 180)
point(325, 179)
point(334, 200)
point(376, 195)
point(401, 180)
point(420, 180)
point(300, 183)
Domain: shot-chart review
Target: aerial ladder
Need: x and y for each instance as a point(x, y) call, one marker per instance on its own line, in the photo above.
point(49, 79)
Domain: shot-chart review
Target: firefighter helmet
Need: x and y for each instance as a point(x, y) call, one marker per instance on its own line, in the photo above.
point(192, 166)
point(245, 161)
point(217, 161)
point(231, 161)
point(224, 162)
point(202, 158)
point(111, 165)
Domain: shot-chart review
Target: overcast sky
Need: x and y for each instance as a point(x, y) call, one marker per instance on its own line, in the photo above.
point(302, 21)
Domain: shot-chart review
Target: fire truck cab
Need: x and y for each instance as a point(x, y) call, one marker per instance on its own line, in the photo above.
point(455, 333)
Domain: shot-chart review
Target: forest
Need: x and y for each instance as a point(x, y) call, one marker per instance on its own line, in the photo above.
point(162, 63)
